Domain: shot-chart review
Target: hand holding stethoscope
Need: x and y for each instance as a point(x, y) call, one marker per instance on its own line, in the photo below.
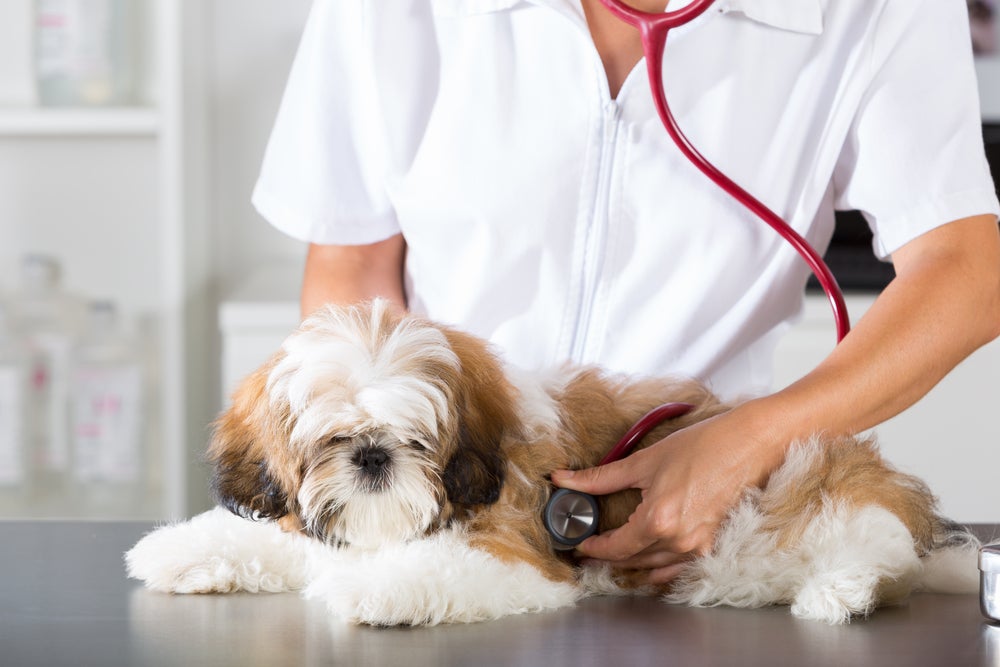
point(689, 482)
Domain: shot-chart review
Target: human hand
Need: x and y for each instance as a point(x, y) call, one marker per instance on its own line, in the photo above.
point(689, 481)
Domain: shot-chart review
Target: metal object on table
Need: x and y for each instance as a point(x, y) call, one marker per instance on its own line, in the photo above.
point(989, 581)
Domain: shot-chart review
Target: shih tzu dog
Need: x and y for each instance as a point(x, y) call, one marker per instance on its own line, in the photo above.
point(396, 469)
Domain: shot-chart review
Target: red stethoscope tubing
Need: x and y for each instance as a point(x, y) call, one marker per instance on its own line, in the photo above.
point(641, 428)
point(653, 29)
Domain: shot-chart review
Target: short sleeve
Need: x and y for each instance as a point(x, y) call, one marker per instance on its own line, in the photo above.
point(323, 172)
point(914, 157)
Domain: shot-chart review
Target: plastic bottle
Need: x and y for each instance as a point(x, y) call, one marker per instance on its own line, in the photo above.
point(14, 472)
point(47, 319)
point(83, 52)
point(107, 412)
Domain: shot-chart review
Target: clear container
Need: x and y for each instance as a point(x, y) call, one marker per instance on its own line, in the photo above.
point(47, 319)
point(14, 470)
point(84, 52)
point(107, 413)
point(989, 581)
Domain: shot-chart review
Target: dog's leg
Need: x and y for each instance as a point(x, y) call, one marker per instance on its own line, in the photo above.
point(438, 579)
point(852, 562)
point(835, 533)
point(848, 562)
point(745, 568)
point(218, 552)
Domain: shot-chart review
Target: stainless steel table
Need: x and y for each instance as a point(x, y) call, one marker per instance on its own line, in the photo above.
point(64, 600)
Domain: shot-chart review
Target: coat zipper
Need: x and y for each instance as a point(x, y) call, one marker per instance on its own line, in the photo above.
point(596, 233)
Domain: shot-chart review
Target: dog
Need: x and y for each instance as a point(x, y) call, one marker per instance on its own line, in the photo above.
point(397, 469)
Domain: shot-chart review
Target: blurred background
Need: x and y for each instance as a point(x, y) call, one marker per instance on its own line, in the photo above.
point(137, 284)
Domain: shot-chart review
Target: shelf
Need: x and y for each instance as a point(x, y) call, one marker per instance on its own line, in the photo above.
point(111, 121)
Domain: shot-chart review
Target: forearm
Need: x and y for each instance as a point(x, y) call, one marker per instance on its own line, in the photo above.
point(943, 305)
point(351, 274)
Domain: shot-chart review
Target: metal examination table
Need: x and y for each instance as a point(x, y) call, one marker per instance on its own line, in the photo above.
point(64, 600)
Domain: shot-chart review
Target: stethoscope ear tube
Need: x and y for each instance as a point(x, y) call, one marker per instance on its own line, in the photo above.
point(653, 28)
point(570, 517)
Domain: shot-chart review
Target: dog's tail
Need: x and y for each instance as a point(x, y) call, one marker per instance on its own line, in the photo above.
point(952, 566)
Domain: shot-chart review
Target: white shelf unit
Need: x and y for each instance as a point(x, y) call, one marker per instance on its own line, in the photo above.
point(133, 176)
point(111, 122)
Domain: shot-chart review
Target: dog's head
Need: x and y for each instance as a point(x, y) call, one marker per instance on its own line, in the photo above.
point(369, 426)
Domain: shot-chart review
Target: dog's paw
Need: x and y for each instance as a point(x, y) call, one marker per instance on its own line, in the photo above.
point(431, 581)
point(835, 600)
point(217, 552)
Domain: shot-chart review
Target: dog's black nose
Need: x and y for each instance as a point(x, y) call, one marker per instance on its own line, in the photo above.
point(371, 459)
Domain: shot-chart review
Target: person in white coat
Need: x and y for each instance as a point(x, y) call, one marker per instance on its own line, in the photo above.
point(498, 165)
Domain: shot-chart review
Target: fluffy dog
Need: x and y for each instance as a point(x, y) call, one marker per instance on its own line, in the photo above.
point(398, 470)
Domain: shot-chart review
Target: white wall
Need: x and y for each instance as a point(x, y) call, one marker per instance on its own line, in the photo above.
point(252, 46)
point(988, 70)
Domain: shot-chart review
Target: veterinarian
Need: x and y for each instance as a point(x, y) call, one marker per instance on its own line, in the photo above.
point(498, 165)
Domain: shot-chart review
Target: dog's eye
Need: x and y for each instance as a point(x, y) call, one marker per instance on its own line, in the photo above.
point(417, 445)
point(340, 439)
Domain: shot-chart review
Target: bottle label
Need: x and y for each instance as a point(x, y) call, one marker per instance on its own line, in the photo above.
point(73, 38)
point(49, 382)
point(107, 424)
point(12, 464)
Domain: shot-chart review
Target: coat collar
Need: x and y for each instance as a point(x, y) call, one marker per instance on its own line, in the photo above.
point(805, 16)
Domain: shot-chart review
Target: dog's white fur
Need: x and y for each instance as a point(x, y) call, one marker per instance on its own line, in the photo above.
point(400, 546)
point(437, 579)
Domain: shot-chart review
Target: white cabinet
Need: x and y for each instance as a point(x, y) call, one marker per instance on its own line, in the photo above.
point(116, 194)
point(254, 319)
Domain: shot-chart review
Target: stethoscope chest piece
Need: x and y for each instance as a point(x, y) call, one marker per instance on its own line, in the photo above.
point(570, 517)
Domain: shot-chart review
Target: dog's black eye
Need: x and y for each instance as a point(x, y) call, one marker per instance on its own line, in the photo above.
point(417, 445)
point(340, 439)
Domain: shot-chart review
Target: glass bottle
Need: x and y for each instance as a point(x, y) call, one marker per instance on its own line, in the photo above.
point(83, 52)
point(47, 318)
point(107, 413)
point(14, 472)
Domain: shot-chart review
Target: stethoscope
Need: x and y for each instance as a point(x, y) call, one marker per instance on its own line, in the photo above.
point(572, 516)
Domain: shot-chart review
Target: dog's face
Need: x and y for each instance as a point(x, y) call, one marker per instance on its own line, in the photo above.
point(368, 426)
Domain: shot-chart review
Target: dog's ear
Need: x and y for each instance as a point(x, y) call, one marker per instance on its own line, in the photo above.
point(475, 473)
point(248, 490)
point(245, 437)
point(484, 400)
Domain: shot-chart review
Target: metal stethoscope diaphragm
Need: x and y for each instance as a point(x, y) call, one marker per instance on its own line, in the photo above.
point(570, 517)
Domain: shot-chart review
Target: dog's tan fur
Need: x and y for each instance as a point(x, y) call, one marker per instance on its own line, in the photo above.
point(852, 472)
